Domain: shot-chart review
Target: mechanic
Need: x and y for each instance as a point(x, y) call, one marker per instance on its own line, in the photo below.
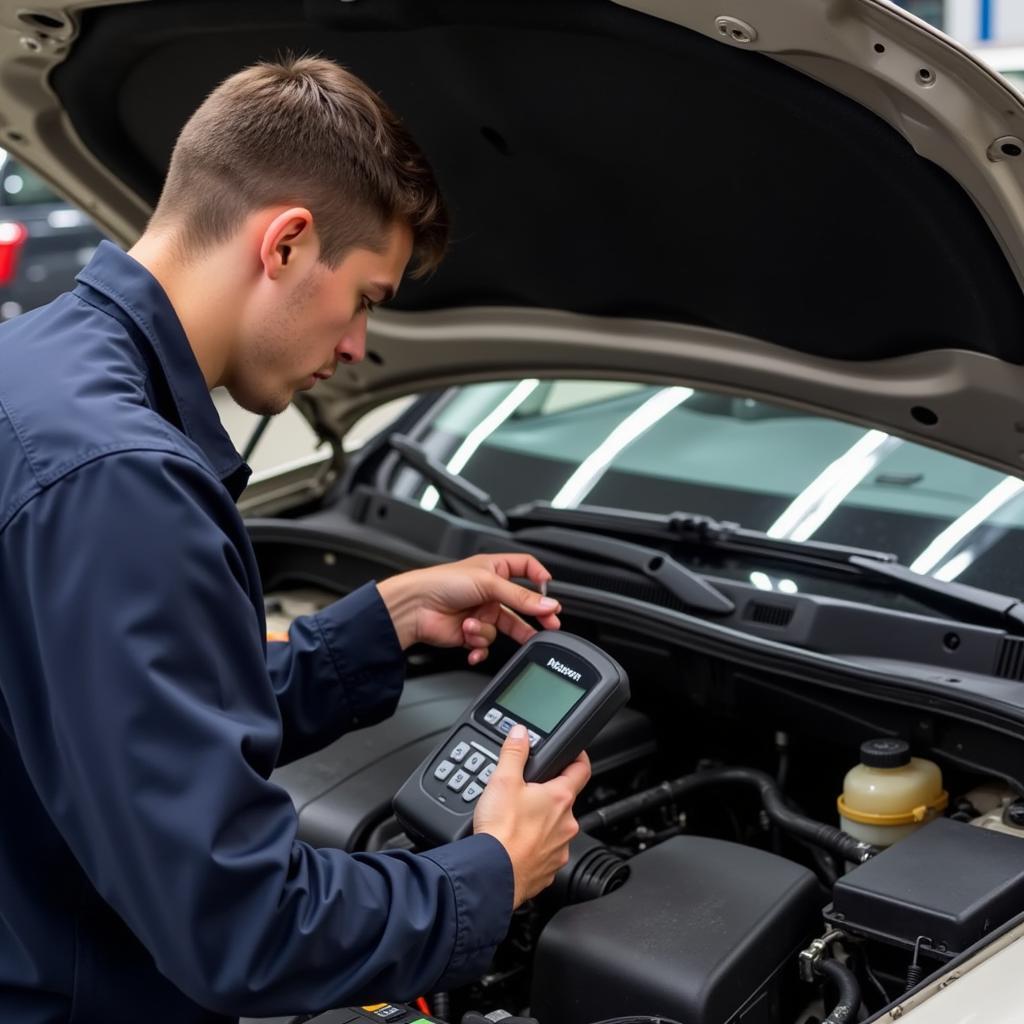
point(149, 871)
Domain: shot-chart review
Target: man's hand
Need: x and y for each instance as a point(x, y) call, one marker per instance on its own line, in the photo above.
point(468, 603)
point(532, 820)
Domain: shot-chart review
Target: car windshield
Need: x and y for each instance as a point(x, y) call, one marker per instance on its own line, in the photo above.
point(791, 474)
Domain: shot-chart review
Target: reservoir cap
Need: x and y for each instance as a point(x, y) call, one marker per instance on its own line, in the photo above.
point(885, 753)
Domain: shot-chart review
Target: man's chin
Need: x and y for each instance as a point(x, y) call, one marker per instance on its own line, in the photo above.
point(261, 405)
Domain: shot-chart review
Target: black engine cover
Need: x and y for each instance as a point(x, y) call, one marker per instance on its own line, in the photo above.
point(700, 933)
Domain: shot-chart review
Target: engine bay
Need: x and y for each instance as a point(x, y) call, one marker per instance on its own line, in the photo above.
point(711, 882)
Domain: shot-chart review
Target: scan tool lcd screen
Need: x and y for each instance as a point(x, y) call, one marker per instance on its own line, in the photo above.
point(540, 697)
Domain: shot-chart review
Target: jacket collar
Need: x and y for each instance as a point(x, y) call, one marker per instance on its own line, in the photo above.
point(141, 298)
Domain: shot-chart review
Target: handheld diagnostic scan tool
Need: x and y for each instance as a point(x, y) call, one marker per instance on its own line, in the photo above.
point(562, 688)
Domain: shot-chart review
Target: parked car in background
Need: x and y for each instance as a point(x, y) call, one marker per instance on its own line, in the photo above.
point(44, 240)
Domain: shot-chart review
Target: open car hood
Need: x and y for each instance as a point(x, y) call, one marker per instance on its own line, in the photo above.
point(817, 202)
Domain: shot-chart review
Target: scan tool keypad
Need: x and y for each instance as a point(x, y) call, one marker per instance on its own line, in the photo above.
point(459, 774)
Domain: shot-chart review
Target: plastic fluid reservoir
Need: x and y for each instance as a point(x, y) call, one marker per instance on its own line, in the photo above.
point(889, 794)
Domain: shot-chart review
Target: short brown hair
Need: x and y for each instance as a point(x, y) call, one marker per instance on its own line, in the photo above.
point(302, 130)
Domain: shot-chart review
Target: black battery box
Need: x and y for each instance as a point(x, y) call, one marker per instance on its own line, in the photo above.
point(950, 882)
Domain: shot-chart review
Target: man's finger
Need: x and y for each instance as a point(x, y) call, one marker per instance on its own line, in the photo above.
point(517, 598)
point(476, 633)
point(488, 612)
point(514, 752)
point(512, 625)
point(578, 773)
point(517, 563)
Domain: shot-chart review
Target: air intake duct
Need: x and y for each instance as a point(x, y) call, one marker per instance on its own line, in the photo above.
point(593, 870)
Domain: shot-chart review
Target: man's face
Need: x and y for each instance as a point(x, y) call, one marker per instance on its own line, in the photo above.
point(313, 323)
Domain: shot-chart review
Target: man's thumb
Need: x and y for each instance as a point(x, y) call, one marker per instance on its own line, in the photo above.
point(514, 752)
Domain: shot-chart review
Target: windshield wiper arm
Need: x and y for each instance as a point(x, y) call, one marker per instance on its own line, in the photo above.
point(998, 610)
point(454, 488)
point(683, 583)
point(1001, 610)
point(579, 530)
point(689, 587)
point(688, 527)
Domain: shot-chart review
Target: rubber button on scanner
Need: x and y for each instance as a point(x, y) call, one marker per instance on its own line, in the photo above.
point(485, 775)
point(459, 751)
point(472, 792)
point(458, 780)
point(534, 738)
point(474, 761)
point(443, 770)
point(505, 726)
point(492, 716)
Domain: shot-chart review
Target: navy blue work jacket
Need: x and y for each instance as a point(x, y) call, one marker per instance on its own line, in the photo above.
point(149, 871)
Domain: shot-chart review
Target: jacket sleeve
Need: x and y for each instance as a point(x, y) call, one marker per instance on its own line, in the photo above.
point(149, 727)
point(341, 669)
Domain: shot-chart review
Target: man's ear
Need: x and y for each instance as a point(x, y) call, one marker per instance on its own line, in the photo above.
point(288, 238)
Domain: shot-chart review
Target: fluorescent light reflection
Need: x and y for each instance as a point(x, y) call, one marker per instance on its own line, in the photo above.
point(956, 565)
point(483, 430)
point(637, 423)
point(958, 530)
point(763, 581)
point(816, 502)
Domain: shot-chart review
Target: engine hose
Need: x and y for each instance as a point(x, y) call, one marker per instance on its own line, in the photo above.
point(845, 982)
point(815, 832)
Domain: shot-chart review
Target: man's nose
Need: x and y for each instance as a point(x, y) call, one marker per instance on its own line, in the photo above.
point(352, 346)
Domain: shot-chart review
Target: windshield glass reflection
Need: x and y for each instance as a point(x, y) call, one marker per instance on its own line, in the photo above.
point(792, 474)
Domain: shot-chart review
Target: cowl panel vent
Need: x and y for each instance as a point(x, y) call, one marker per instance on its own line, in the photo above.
point(1010, 661)
point(769, 614)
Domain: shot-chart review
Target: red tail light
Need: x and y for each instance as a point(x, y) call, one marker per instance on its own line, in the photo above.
point(12, 238)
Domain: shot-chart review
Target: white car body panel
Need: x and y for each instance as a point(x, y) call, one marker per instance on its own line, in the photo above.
point(980, 991)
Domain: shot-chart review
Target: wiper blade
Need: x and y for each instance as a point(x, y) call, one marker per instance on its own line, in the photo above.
point(1000, 610)
point(454, 489)
point(683, 583)
point(689, 587)
point(957, 599)
point(688, 527)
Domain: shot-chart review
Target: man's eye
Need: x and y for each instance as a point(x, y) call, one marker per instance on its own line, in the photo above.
point(368, 305)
